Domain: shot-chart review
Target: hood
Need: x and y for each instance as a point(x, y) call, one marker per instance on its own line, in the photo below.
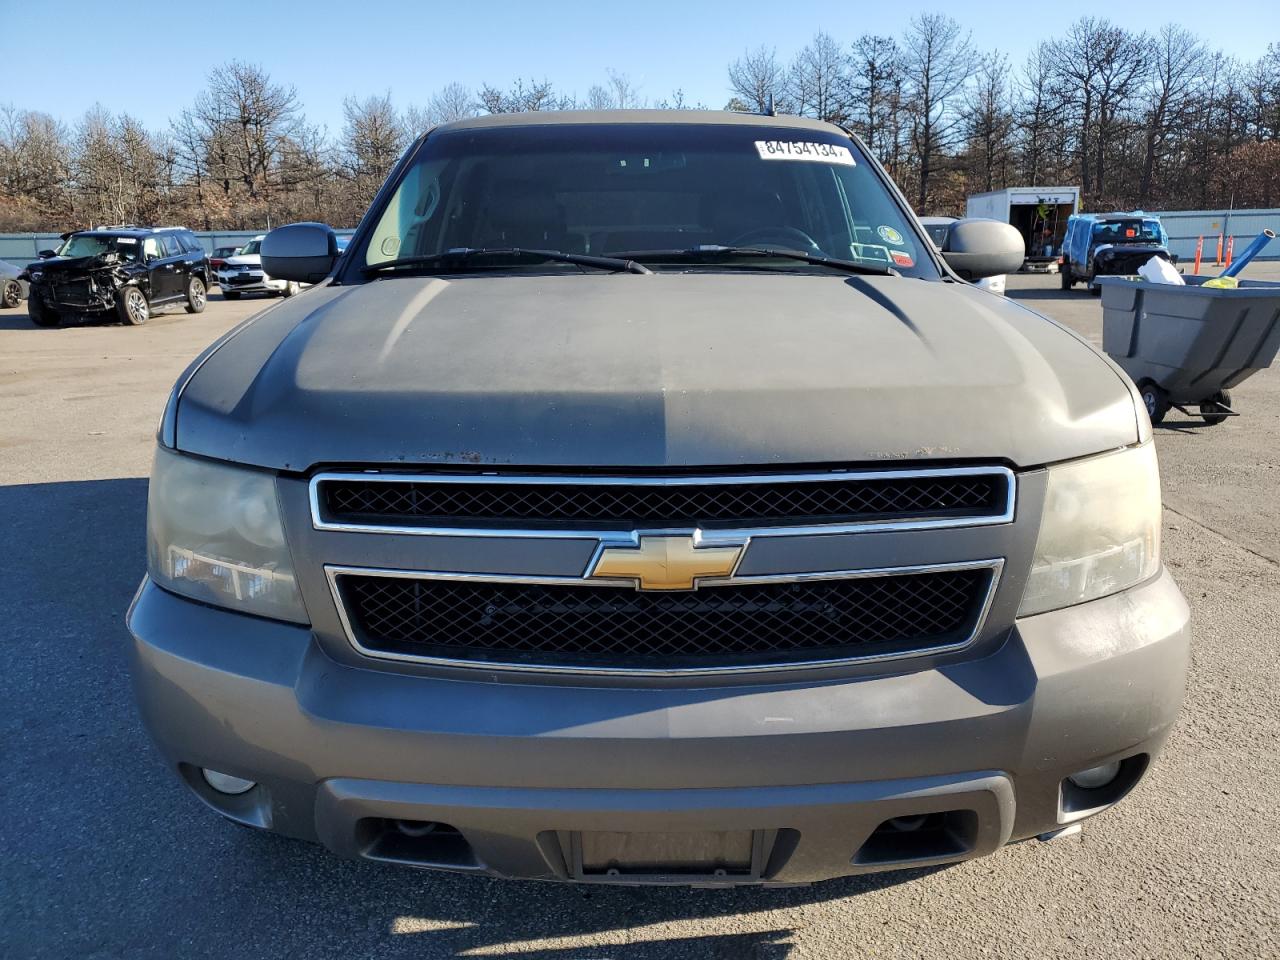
point(245, 260)
point(652, 371)
point(101, 261)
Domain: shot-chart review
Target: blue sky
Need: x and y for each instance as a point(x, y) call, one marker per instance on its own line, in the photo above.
point(329, 50)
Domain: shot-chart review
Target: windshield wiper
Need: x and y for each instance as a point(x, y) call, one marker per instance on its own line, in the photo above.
point(460, 254)
point(718, 251)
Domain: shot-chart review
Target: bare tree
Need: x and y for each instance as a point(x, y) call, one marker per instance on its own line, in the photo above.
point(247, 118)
point(759, 81)
point(677, 102)
point(818, 81)
point(34, 157)
point(1038, 116)
point(373, 138)
point(1102, 67)
point(116, 170)
point(1262, 89)
point(1176, 59)
point(938, 60)
point(874, 84)
point(523, 97)
point(452, 102)
point(990, 121)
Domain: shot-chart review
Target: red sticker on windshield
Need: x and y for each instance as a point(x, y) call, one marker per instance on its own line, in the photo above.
point(902, 259)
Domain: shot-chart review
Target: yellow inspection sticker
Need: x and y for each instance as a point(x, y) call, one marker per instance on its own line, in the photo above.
point(804, 150)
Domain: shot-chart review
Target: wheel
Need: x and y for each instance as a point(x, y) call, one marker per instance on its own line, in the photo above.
point(1094, 289)
point(290, 288)
point(1156, 401)
point(132, 307)
point(11, 294)
point(40, 315)
point(1064, 277)
point(1211, 408)
point(230, 294)
point(197, 295)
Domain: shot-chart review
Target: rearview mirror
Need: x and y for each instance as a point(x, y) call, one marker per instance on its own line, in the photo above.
point(303, 252)
point(46, 254)
point(983, 248)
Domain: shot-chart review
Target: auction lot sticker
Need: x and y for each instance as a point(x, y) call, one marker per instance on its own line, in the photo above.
point(804, 150)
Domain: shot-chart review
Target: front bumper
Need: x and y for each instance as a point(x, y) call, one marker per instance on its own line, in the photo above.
point(249, 283)
point(99, 299)
point(532, 774)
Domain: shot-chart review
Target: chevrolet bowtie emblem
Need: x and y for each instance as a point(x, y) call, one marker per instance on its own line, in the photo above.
point(665, 563)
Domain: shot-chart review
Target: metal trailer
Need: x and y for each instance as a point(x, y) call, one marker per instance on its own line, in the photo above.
point(1186, 346)
point(1038, 213)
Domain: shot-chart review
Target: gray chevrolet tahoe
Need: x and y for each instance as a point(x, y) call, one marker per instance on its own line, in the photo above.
point(642, 498)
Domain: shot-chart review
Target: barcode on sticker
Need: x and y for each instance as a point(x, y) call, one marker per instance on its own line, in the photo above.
point(804, 150)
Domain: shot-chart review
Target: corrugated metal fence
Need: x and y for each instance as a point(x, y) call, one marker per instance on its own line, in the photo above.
point(24, 247)
point(1186, 226)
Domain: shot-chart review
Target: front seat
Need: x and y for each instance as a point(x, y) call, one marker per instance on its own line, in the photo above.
point(522, 214)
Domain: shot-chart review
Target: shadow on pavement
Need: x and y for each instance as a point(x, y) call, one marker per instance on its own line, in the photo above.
point(107, 856)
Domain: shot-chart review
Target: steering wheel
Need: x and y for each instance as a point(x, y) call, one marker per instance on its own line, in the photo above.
point(792, 238)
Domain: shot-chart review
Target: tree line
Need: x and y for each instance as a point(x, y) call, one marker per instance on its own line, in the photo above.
point(1137, 120)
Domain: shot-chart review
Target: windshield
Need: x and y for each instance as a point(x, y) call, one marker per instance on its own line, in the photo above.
point(1127, 231)
point(249, 248)
point(637, 188)
point(94, 244)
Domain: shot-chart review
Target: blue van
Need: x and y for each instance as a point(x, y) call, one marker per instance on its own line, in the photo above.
point(1110, 244)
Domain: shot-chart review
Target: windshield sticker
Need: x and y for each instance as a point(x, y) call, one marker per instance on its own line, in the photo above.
point(804, 150)
point(890, 235)
point(126, 239)
point(901, 259)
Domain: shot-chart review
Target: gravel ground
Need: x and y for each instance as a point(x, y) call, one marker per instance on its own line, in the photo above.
point(106, 856)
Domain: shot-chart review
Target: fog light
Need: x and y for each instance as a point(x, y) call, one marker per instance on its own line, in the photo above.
point(1095, 777)
point(226, 783)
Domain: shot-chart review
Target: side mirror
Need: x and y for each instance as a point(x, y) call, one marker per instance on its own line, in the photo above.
point(46, 254)
point(304, 252)
point(983, 248)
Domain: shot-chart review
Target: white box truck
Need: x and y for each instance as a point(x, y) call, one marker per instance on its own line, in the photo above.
point(1039, 213)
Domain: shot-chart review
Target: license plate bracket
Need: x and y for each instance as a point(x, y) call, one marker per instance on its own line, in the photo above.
point(710, 856)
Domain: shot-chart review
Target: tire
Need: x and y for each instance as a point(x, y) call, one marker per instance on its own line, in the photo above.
point(1211, 408)
point(230, 294)
point(291, 289)
point(132, 307)
point(11, 294)
point(39, 315)
point(197, 295)
point(1155, 400)
point(1094, 289)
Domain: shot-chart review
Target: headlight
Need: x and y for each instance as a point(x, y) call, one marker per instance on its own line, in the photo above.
point(214, 534)
point(1100, 532)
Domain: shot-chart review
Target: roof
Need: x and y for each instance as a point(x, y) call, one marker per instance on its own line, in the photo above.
point(1028, 189)
point(715, 117)
point(129, 230)
point(1118, 215)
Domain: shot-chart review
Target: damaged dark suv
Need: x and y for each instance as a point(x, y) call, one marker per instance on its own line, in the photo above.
point(128, 271)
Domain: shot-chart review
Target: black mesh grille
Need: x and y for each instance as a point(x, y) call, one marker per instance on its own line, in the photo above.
point(74, 292)
point(358, 500)
point(621, 627)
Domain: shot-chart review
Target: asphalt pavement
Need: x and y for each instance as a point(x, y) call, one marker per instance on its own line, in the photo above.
point(105, 854)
